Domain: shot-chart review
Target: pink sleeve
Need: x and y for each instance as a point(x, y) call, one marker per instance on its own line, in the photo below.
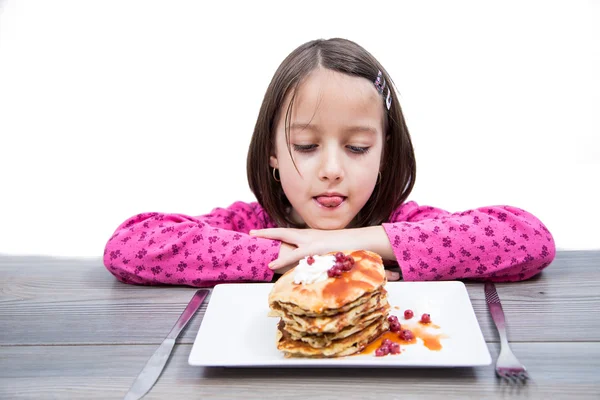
point(175, 249)
point(499, 243)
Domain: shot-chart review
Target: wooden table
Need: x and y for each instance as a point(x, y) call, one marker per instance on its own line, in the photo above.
point(68, 329)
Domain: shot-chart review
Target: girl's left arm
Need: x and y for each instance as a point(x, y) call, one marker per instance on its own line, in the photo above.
point(498, 243)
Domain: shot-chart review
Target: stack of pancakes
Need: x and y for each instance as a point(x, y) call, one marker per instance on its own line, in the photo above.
point(335, 317)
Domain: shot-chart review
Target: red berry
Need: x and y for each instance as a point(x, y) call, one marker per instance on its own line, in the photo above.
point(351, 260)
point(408, 314)
point(386, 342)
point(380, 352)
point(385, 349)
point(394, 348)
point(334, 272)
point(406, 335)
point(425, 318)
point(310, 260)
point(392, 318)
point(339, 256)
point(395, 327)
point(346, 266)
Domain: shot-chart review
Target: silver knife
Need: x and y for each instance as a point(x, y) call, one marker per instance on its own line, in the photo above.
point(153, 368)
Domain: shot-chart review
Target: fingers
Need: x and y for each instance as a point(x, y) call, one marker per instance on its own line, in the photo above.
point(287, 259)
point(283, 270)
point(392, 275)
point(282, 234)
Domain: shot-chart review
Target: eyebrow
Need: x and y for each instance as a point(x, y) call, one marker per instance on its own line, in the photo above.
point(350, 129)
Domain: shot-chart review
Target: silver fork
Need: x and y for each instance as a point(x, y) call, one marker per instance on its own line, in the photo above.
point(507, 365)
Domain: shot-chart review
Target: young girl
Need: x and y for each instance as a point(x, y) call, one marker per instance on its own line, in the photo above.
point(331, 164)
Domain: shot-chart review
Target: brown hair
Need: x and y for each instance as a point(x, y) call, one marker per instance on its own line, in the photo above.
point(398, 167)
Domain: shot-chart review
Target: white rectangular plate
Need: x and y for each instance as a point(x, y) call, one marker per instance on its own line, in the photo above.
point(236, 331)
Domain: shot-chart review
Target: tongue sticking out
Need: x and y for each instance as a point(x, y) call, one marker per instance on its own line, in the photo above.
point(330, 201)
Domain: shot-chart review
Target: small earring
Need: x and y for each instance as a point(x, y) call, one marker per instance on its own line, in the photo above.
point(274, 177)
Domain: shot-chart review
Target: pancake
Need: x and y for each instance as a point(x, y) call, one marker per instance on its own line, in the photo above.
point(366, 276)
point(334, 317)
point(337, 348)
point(333, 323)
point(299, 311)
point(325, 339)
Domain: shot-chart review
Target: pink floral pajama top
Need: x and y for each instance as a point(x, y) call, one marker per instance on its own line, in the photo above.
point(498, 243)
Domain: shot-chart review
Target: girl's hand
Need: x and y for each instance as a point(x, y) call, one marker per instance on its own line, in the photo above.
point(299, 243)
point(284, 251)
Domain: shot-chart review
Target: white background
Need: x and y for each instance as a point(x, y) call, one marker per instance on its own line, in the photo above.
point(111, 108)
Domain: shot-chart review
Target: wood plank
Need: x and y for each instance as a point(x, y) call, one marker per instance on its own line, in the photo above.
point(558, 305)
point(100, 372)
point(76, 301)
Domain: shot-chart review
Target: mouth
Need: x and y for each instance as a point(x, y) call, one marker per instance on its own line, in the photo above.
point(330, 201)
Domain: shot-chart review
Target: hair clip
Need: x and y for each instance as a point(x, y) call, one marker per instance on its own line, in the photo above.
point(380, 86)
point(388, 99)
point(379, 83)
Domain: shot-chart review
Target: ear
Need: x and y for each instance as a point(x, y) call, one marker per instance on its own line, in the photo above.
point(273, 162)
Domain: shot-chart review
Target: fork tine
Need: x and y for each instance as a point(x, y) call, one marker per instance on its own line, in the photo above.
point(504, 376)
point(518, 377)
point(513, 378)
point(523, 376)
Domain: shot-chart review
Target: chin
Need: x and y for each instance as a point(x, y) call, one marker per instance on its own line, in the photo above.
point(328, 225)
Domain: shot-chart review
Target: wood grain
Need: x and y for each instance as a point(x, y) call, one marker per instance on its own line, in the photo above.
point(48, 301)
point(68, 330)
point(558, 371)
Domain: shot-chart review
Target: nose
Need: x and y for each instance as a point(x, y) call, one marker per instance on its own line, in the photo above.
point(331, 168)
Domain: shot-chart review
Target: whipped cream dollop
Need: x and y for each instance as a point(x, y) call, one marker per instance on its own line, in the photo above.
point(312, 273)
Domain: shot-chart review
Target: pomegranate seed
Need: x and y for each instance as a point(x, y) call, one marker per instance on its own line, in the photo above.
point(342, 263)
point(395, 348)
point(392, 319)
point(334, 272)
point(408, 314)
point(395, 327)
point(406, 335)
point(386, 343)
point(380, 352)
point(425, 318)
point(310, 260)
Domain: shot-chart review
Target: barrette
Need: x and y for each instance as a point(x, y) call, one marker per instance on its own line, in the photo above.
point(380, 82)
point(380, 86)
point(388, 99)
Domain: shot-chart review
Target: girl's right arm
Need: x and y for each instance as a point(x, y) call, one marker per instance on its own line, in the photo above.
point(155, 248)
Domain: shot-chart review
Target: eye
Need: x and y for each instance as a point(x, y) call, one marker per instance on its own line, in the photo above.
point(358, 150)
point(304, 148)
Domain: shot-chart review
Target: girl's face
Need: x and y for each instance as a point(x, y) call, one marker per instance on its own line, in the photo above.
point(336, 139)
